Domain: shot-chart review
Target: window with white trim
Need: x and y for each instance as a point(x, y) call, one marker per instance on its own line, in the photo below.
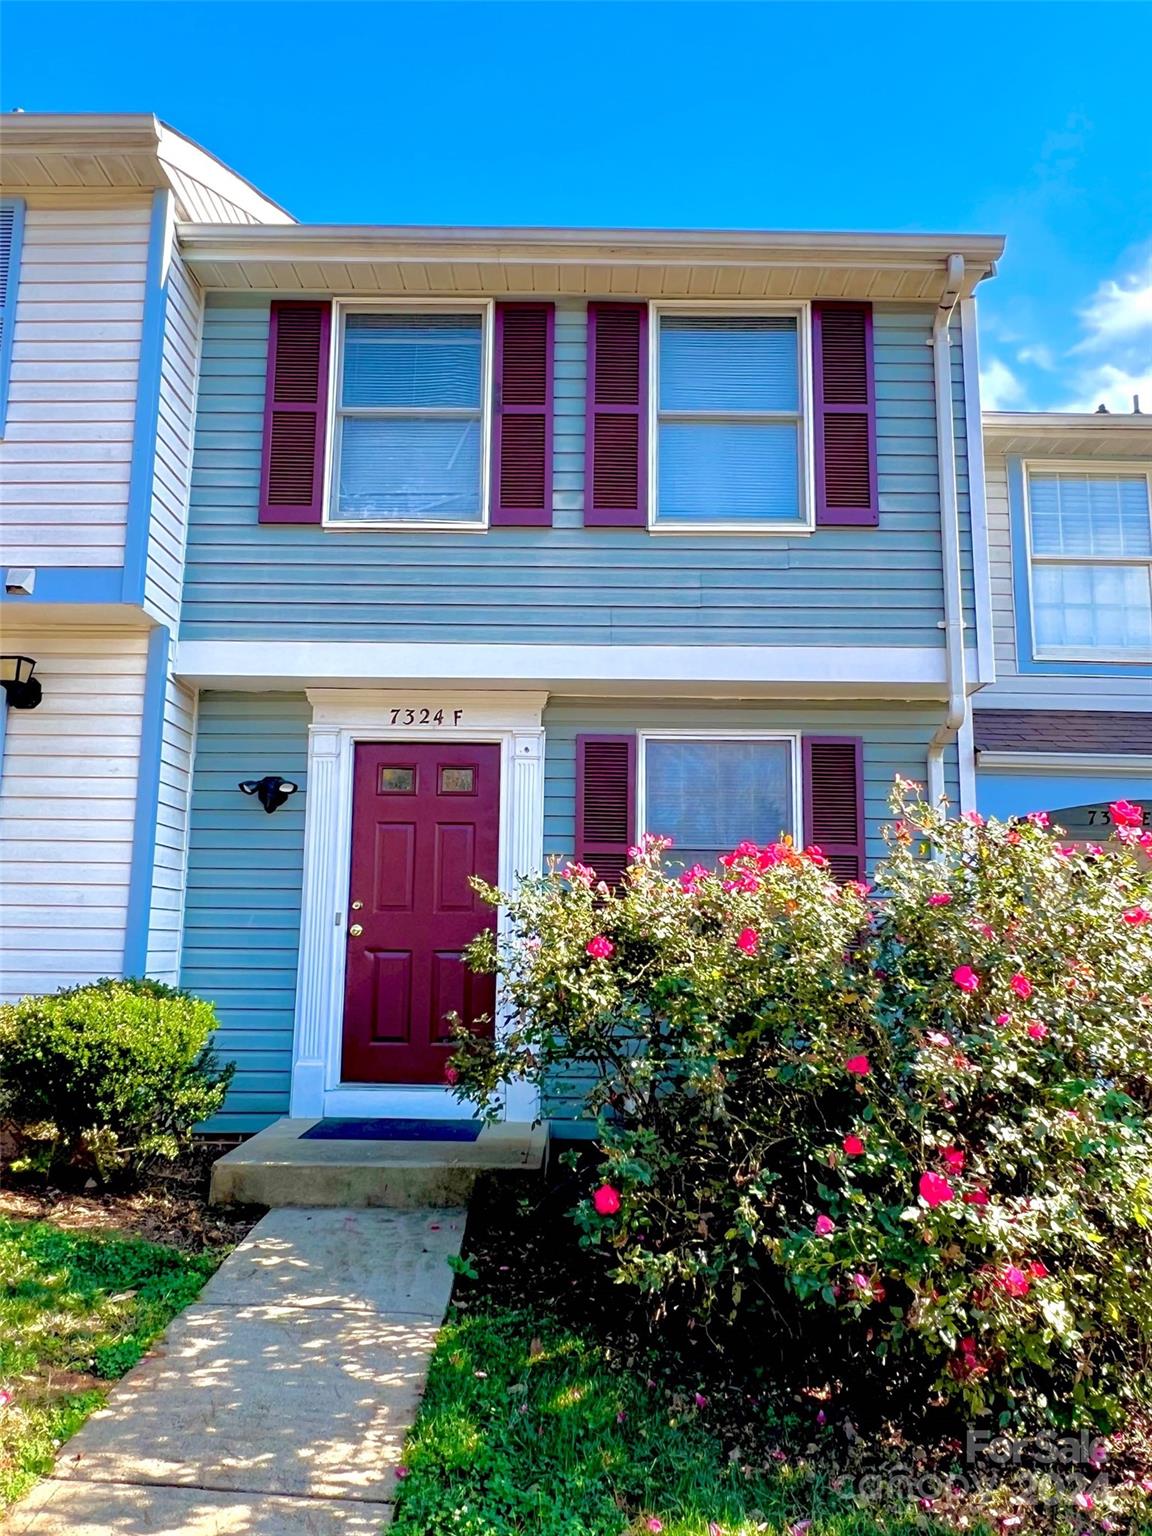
point(1090, 541)
point(731, 439)
point(409, 435)
point(710, 793)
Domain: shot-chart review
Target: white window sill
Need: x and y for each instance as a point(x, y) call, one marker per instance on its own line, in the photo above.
point(775, 530)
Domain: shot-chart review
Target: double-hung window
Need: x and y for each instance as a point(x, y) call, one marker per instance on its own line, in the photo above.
point(708, 793)
point(732, 420)
point(1090, 540)
point(410, 438)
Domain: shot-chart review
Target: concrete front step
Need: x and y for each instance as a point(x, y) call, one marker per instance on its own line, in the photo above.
point(278, 1168)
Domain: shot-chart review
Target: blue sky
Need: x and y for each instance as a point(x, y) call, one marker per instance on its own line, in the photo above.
point(1028, 120)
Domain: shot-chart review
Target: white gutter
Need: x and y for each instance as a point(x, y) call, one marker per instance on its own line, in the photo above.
point(949, 532)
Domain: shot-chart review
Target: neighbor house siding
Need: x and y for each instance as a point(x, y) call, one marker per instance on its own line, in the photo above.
point(565, 584)
point(166, 915)
point(67, 449)
point(167, 529)
point(242, 907)
point(1014, 689)
point(67, 807)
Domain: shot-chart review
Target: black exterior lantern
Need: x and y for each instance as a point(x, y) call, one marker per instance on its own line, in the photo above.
point(21, 689)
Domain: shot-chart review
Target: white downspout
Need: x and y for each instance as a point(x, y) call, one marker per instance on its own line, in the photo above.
point(949, 532)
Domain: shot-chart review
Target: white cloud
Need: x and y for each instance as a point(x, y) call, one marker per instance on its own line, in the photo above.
point(1000, 389)
point(1112, 386)
point(1039, 356)
point(1119, 312)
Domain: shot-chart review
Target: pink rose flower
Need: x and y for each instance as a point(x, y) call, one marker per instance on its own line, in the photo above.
point(1137, 915)
point(1125, 814)
point(654, 1525)
point(1037, 1031)
point(854, 1146)
point(1038, 818)
point(606, 1200)
point(934, 1189)
point(748, 940)
point(401, 1472)
point(451, 1076)
point(1021, 985)
point(600, 947)
point(953, 1159)
point(973, 818)
point(1014, 1282)
point(858, 1066)
point(939, 1038)
point(579, 874)
point(940, 899)
point(966, 978)
point(701, 1400)
point(1085, 1500)
point(825, 1226)
point(976, 1197)
point(1003, 1019)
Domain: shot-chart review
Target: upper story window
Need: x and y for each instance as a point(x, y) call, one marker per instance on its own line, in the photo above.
point(708, 793)
point(1090, 537)
point(732, 421)
point(410, 433)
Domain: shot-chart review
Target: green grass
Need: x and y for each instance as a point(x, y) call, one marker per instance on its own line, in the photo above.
point(76, 1310)
point(520, 1432)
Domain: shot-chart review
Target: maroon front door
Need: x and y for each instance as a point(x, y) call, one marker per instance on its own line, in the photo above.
point(424, 818)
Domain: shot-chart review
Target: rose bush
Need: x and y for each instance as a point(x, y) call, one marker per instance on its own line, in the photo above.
point(923, 1116)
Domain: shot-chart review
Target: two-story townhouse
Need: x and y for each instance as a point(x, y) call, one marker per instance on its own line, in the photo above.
point(1067, 726)
point(505, 543)
point(99, 342)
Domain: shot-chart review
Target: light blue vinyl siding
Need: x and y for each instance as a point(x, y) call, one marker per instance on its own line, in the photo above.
point(242, 907)
point(566, 584)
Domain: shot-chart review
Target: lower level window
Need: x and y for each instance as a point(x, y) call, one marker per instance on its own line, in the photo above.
point(710, 794)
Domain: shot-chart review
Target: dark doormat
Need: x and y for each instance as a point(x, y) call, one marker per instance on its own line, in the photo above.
point(393, 1130)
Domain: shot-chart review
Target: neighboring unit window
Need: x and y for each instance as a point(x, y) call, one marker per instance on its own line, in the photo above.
point(409, 425)
point(729, 421)
point(710, 795)
point(1091, 538)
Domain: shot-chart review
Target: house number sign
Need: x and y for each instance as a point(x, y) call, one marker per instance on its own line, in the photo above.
point(426, 716)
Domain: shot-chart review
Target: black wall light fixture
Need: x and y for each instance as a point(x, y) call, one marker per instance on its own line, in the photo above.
point(271, 790)
point(21, 689)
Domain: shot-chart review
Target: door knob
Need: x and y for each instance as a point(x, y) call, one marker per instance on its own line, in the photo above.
point(355, 930)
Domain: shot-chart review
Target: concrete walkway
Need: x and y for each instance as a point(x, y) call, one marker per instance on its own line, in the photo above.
point(277, 1404)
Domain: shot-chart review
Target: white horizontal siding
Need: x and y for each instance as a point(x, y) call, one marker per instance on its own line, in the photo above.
point(166, 920)
point(167, 530)
point(66, 454)
point(1014, 689)
point(67, 805)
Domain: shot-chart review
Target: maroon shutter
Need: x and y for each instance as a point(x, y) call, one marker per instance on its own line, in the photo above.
point(616, 455)
point(295, 411)
point(605, 802)
point(845, 401)
point(522, 420)
point(834, 802)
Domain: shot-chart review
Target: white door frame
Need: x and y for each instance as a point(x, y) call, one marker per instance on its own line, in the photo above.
point(341, 718)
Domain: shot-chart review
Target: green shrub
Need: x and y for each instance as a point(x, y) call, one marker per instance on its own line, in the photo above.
point(925, 1119)
point(108, 1078)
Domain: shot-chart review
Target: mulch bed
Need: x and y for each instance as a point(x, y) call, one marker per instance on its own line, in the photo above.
point(171, 1207)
